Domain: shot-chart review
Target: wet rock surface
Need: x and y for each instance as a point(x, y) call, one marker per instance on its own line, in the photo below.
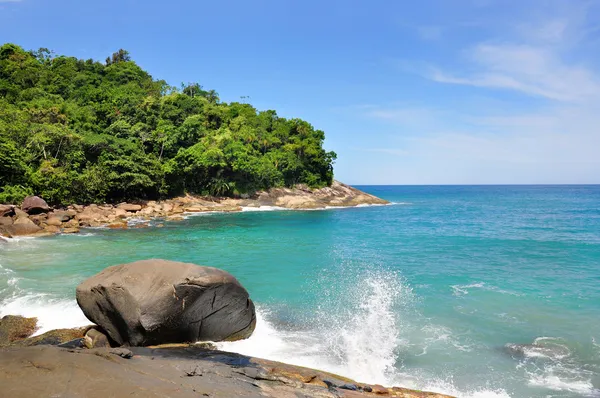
point(169, 372)
point(157, 301)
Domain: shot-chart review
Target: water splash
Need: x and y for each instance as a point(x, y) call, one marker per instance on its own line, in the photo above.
point(360, 341)
point(366, 343)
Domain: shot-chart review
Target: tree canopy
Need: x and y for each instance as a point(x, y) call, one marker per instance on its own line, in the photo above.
point(81, 131)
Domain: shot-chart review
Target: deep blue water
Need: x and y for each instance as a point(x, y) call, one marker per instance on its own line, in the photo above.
point(472, 290)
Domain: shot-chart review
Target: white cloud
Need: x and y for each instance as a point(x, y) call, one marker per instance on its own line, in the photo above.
point(528, 69)
point(557, 144)
point(549, 134)
point(539, 56)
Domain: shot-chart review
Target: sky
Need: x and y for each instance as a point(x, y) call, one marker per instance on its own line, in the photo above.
point(407, 92)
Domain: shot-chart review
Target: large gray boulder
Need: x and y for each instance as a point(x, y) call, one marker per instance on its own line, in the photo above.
point(154, 302)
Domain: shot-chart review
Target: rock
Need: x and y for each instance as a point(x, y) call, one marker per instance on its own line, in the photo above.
point(23, 221)
point(7, 210)
point(151, 373)
point(6, 221)
point(55, 221)
point(157, 301)
point(89, 217)
point(379, 389)
point(141, 225)
point(177, 210)
point(21, 227)
point(129, 207)
point(34, 205)
point(71, 224)
point(38, 219)
point(53, 337)
point(52, 229)
point(120, 213)
point(117, 225)
point(70, 230)
point(42, 234)
point(228, 208)
point(197, 208)
point(14, 327)
point(20, 213)
point(63, 215)
point(122, 352)
point(148, 211)
point(95, 339)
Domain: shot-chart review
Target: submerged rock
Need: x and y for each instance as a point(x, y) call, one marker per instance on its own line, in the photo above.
point(157, 302)
point(14, 328)
point(34, 205)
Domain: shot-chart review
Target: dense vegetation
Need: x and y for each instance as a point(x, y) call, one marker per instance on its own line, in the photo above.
point(80, 131)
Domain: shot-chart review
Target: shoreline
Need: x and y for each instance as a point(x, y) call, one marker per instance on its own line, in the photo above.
point(39, 219)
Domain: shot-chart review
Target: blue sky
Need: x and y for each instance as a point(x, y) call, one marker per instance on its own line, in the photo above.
point(407, 92)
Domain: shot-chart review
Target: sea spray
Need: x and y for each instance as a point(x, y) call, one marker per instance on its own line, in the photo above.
point(359, 340)
point(51, 312)
point(366, 342)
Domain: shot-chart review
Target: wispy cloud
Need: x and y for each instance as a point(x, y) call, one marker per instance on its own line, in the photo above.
point(534, 58)
point(553, 145)
point(531, 70)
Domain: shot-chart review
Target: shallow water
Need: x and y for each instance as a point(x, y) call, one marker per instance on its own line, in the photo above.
point(473, 291)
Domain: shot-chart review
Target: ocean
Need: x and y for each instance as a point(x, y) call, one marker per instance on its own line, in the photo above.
point(476, 291)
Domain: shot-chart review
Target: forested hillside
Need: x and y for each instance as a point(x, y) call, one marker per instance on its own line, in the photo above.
point(81, 131)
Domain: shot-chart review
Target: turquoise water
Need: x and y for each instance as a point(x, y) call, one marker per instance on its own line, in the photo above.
point(490, 291)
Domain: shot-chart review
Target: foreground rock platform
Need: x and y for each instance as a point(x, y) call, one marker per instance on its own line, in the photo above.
point(158, 301)
point(186, 371)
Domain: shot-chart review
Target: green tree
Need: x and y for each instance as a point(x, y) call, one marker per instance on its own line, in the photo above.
point(76, 130)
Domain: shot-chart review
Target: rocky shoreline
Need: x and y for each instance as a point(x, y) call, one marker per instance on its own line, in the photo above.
point(35, 218)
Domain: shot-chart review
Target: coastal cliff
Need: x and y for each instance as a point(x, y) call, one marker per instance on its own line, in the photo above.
point(36, 218)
